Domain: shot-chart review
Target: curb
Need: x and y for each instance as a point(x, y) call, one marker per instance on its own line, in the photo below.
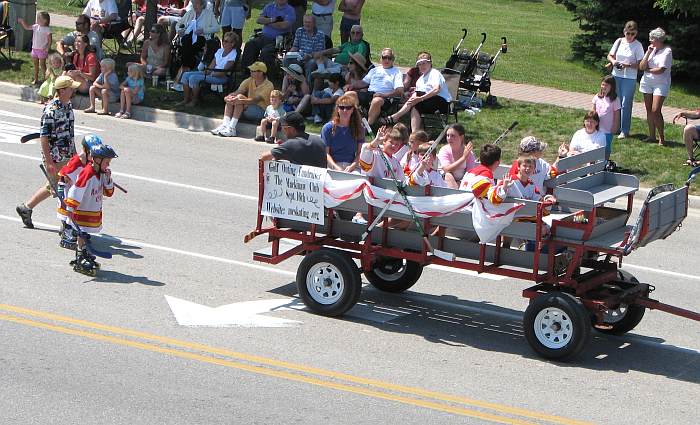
point(197, 123)
point(191, 122)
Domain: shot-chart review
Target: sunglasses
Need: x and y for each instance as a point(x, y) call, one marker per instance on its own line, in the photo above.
point(631, 33)
point(388, 58)
point(345, 107)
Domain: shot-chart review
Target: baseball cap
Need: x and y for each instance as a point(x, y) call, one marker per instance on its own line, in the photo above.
point(258, 66)
point(293, 119)
point(65, 81)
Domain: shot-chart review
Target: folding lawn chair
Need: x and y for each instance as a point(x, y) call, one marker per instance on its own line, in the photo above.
point(114, 33)
point(6, 31)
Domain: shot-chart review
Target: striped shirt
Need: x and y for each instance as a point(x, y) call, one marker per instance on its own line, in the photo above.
point(309, 44)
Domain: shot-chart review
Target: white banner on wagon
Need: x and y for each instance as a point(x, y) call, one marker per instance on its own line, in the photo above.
point(294, 192)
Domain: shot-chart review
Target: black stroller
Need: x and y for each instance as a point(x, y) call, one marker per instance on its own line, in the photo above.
point(475, 69)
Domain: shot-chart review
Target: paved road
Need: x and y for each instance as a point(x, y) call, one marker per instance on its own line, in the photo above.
point(109, 349)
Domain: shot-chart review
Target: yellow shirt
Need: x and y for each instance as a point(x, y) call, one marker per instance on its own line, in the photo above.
point(261, 92)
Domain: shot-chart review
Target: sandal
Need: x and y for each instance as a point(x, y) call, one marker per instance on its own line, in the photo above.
point(691, 162)
point(119, 114)
point(90, 110)
point(126, 115)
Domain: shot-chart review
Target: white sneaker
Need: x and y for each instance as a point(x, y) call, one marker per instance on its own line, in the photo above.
point(178, 87)
point(228, 132)
point(317, 119)
point(217, 130)
point(359, 220)
point(621, 136)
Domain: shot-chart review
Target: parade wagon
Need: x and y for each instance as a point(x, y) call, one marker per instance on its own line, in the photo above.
point(577, 245)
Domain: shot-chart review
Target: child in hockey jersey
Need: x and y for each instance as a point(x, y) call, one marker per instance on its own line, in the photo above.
point(410, 160)
point(432, 165)
point(84, 202)
point(543, 170)
point(66, 178)
point(480, 181)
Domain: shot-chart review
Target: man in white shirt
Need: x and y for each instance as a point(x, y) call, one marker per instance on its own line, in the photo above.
point(102, 13)
point(384, 86)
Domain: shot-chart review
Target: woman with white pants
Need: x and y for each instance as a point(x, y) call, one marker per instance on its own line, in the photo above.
point(656, 82)
point(625, 55)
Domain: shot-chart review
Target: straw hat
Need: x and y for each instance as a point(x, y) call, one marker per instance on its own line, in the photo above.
point(294, 70)
point(65, 81)
point(359, 60)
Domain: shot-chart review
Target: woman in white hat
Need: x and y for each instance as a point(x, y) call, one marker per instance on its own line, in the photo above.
point(431, 94)
point(294, 87)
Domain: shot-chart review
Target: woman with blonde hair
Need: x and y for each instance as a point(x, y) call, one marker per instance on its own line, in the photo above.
point(344, 135)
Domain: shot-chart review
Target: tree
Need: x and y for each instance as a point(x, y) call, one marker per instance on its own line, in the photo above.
point(601, 23)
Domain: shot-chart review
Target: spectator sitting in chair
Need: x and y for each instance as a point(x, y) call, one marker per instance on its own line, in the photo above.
point(216, 73)
point(102, 14)
point(170, 16)
point(431, 94)
point(155, 54)
point(690, 132)
point(194, 28)
point(307, 41)
point(82, 27)
point(355, 45)
point(384, 84)
point(140, 20)
point(249, 101)
point(277, 19)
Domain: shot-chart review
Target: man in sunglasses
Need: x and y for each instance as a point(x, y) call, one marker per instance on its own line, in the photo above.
point(384, 86)
point(82, 27)
point(356, 44)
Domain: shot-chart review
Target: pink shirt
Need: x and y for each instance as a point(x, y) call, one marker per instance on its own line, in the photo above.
point(446, 158)
point(606, 112)
point(40, 37)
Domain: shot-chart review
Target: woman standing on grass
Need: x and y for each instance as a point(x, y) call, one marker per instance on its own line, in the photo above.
point(656, 82)
point(625, 55)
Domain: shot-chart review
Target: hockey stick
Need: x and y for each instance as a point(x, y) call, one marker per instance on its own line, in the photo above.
point(402, 192)
point(28, 137)
point(505, 133)
point(88, 245)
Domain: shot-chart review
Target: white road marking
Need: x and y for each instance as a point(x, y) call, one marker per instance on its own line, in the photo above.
point(247, 314)
point(152, 180)
point(11, 132)
point(254, 198)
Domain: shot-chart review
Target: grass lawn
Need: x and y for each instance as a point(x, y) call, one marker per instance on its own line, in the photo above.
point(538, 44)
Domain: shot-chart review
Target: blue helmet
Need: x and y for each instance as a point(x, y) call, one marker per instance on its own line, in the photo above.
point(103, 151)
point(91, 140)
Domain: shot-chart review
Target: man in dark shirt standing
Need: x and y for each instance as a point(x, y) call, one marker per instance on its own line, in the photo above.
point(300, 147)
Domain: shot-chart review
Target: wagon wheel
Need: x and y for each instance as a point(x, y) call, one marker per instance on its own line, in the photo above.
point(557, 325)
point(329, 282)
point(624, 317)
point(394, 274)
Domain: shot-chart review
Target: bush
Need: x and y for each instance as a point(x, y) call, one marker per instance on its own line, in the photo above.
point(601, 22)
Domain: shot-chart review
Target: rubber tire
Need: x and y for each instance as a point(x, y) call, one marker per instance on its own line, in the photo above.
point(411, 273)
point(350, 273)
point(633, 315)
point(574, 308)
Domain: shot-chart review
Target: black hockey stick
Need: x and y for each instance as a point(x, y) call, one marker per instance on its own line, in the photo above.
point(28, 137)
point(505, 133)
point(400, 189)
point(88, 245)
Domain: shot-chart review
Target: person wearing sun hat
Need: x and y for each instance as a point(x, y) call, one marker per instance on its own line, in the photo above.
point(249, 100)
point(294, 87)
point(56, 136)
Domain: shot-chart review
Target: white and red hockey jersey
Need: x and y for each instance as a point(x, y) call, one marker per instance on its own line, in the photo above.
point(373, 165)
point(84, 199)
point(480, 182)
point(70, 172)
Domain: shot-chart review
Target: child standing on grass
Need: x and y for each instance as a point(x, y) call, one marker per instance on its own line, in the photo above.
point(41, 42)
point(273, 113)
point(55, 68)
point(106, 86)
point(132, 91)
point(607, 106)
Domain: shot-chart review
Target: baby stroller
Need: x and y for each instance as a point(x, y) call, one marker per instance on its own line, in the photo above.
point(475, 68)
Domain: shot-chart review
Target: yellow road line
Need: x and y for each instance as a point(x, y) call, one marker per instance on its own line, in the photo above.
point(299, 368)
point(267, 372)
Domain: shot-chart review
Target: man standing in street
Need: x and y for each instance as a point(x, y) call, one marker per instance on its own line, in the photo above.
point(57, 145)
point(300, 147)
